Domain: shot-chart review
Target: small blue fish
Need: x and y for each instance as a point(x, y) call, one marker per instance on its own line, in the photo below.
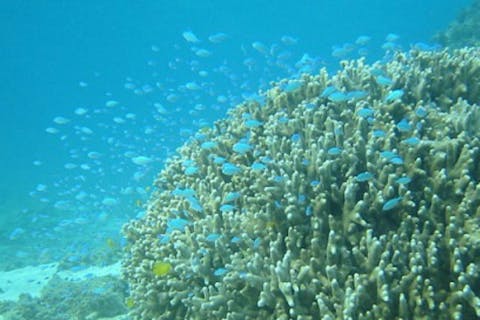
point(288, 40)
point(235, 239)
point(291, 85)
point(308, 211)
point(185, 193)
point(219, 272)
point(282, 120)
point(219, 160)
point(364, 176)
point(260, 47)
point(256, 243)
point(203, 53)
point(391, 204)
point(394, 95)
point(403, 180)
point(338, 96)
point(190, 170)
point(242, 147)
point(421, 112)
point(195, 204)
point(404, 126)
point(412, 141)
point(296, 137)
point(378, 133)
point(356, 94)
point(232, 196)
point(388, 154)
point(208, 145)
point(218, 37)
point(212, 237)
point(227, 208)
point(384, 81)
point(252, 123)
point(266, 159)
point(396, 160)
point(314, 183)
point(328, 91)
point(334, 151)
point(189, 36)
point(365, 113)
point(258, 166)
point(230, 169)
point(176, 224)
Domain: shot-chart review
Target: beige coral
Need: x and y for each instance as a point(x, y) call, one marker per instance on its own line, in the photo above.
point(307, 238)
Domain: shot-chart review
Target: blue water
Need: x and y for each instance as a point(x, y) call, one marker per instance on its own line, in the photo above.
point(65, 195)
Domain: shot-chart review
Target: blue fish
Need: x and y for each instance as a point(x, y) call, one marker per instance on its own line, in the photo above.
point(365, 113)
point(356, 94)
point(230, 169)
point(404, 126)
point(208, 145)
point(176, 224)
point(227, 208)
point(394, 95)
point(212, 237)
point(258, 166)
point(219, 272)
point(391, 204)
point(338, 96)
point(403, 180)
point(242, 147)
point(252, 123)
point(364, 176)
point(396, 160)
point(328, 91)
point(232, 196)
point(384, 81)
point(334, 151)
point(421, 112)
point(412, 141)
point(378, 133)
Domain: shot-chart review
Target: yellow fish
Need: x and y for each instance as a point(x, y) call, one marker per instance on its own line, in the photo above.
point(161, 268)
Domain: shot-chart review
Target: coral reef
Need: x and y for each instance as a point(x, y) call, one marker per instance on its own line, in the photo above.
point(351, 196)
point(464, 30)
point(90, 299)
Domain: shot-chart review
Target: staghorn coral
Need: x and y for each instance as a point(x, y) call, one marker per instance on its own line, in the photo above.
point(355, 196)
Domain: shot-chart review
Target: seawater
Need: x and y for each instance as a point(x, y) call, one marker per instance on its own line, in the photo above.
point(96, 96)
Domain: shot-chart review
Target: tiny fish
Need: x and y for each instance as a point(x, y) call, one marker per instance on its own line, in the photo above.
point(189, 36)
point(412, 141)
point(242, 147)
point(394, 95)
point(404, 126)
point(384, 81)
point(364, 176)
point(337, 96)
point(365, 113)
point(289, 40)
point(142, 160)
point(391, 204)
point(333, 151)
point(403, 180)
point(230, 169)
point(218, 37)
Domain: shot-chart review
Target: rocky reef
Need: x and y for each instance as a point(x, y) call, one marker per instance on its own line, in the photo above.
point(98, 298)
point(463, 31)
point(346, 196)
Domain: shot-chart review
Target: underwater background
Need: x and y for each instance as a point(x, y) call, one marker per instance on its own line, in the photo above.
point(96, 95)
